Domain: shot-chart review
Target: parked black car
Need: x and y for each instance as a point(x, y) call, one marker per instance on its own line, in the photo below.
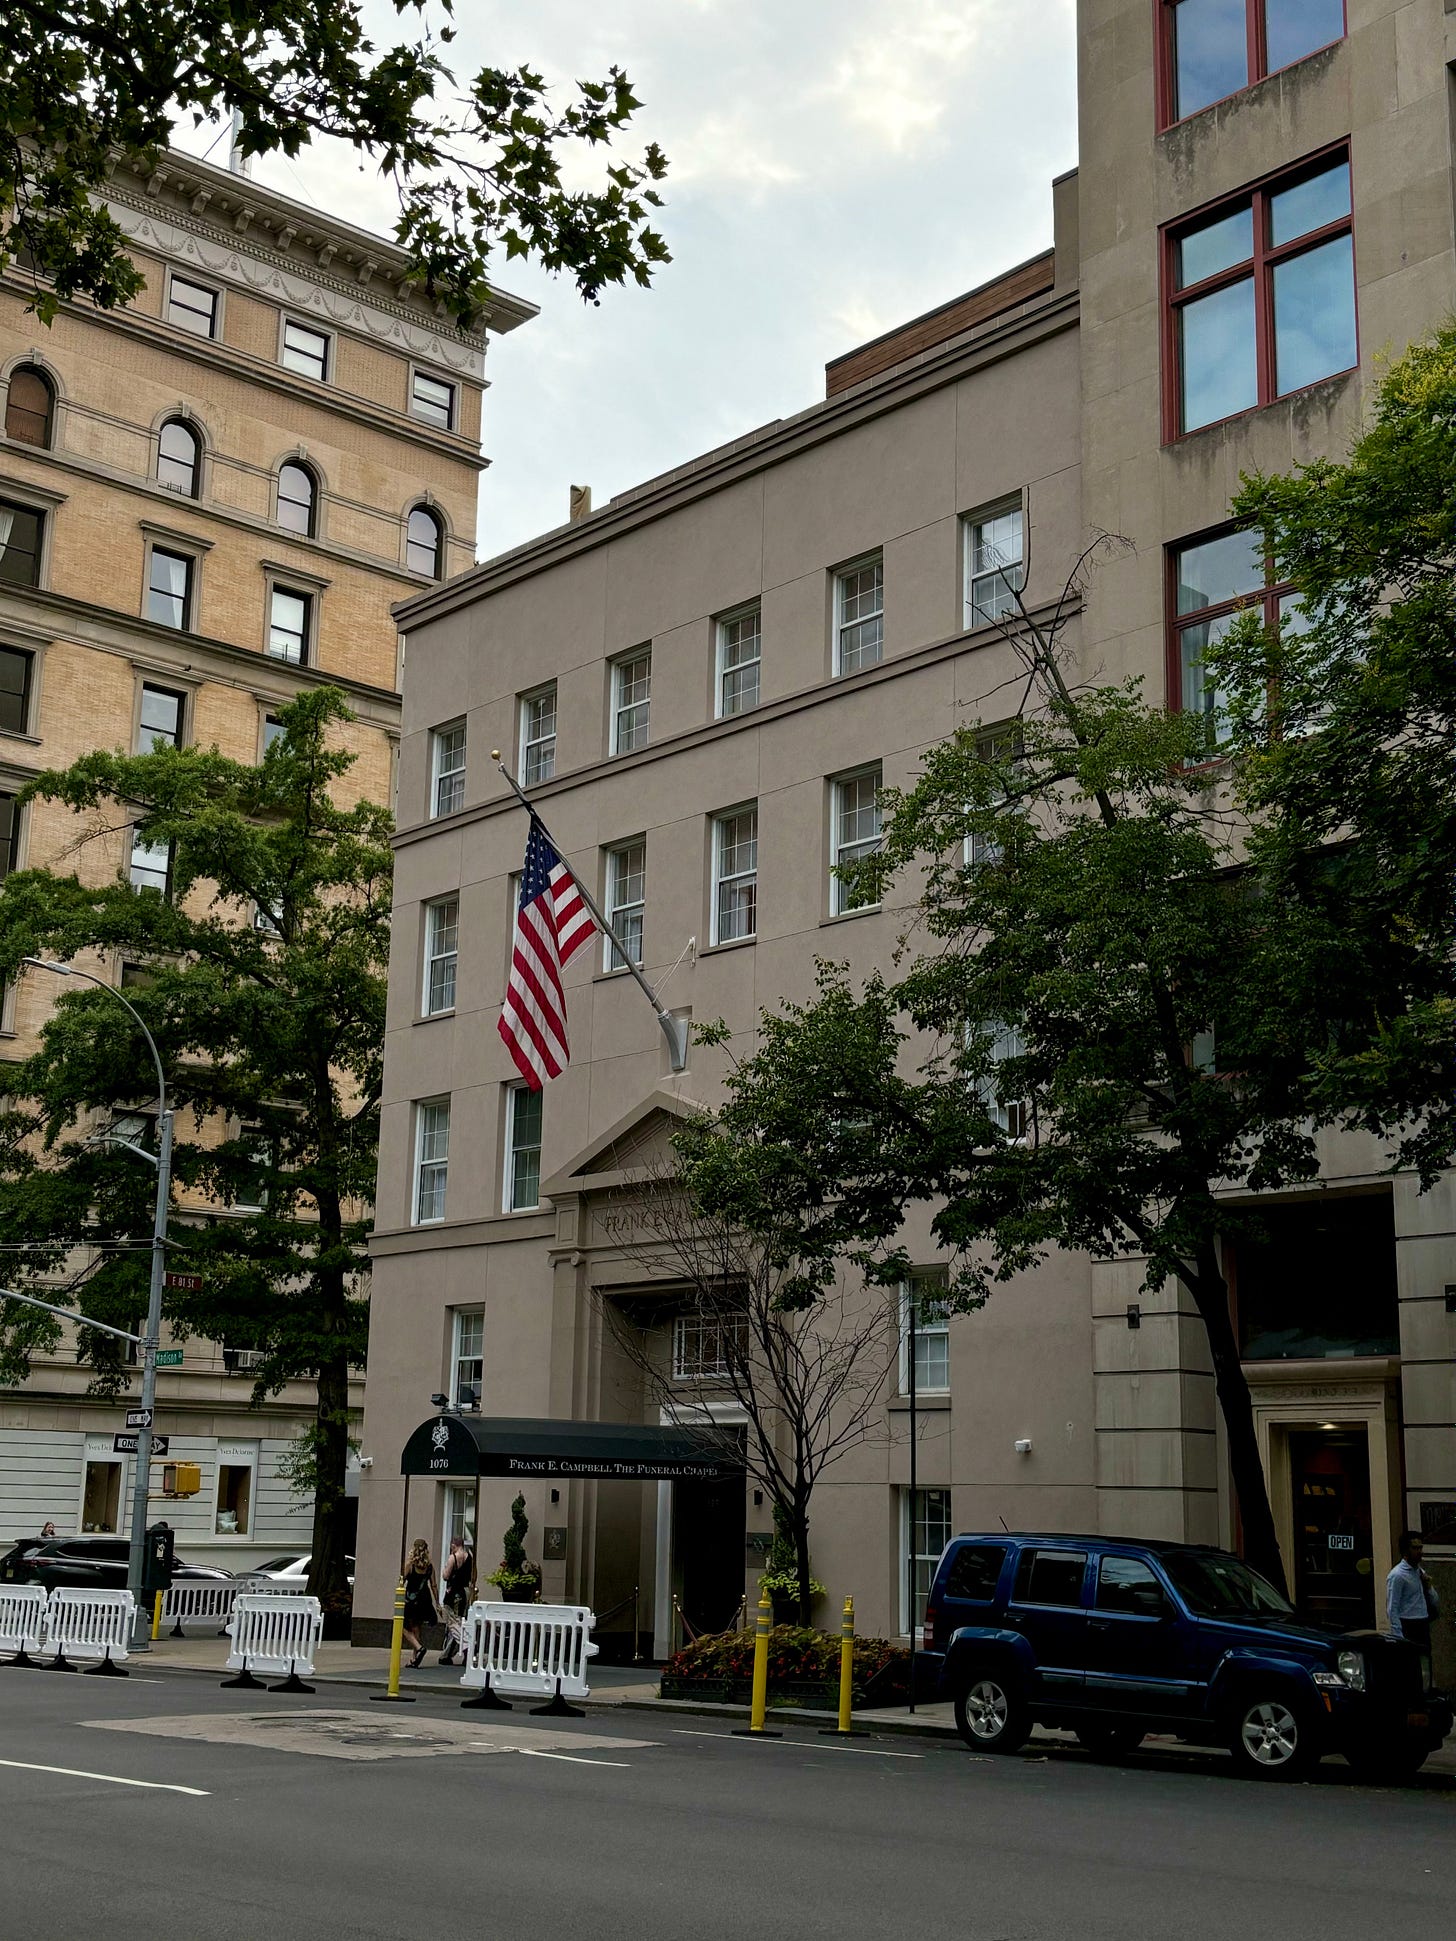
point(81, 1563)
point(1118, 1639)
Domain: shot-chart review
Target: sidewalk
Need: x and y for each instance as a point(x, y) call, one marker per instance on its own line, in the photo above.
point(632, 1688)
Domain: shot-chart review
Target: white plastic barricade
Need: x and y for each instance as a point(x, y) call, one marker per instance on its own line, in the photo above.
point(22, 1619)
point(210, 1600)
point(529, 1651)
point(274, 1631)
point(90, 1624)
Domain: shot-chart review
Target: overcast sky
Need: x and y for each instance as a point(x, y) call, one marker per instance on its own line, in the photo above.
point(837, 166)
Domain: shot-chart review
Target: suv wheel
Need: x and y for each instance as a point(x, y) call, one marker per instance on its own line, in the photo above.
point(1270, 1740)
point(1110, 1741)
point(991, 1715)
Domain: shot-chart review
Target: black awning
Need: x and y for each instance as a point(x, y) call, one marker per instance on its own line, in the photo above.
point(474, 1445)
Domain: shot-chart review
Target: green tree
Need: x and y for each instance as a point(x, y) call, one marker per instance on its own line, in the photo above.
point(1086, 1052)
point(476, 163)
point(1344, 736)
point(263, 984)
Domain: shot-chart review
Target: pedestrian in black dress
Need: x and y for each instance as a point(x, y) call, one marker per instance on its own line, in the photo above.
point(420, 1606)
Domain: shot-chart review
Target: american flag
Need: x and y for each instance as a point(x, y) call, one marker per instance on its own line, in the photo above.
point(552, 922)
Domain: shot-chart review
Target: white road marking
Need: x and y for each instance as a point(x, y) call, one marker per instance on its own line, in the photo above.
point(798, 1745)
point(621, 1765)
point(111, 1779)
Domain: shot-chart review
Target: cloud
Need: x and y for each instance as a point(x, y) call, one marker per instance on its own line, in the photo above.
point(836, 166)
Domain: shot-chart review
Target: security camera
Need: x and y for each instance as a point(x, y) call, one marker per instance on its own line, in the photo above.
point(366, 1462)
point(1022, 1445)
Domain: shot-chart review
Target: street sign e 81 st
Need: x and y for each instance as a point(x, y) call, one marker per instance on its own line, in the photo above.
point(183, 1283)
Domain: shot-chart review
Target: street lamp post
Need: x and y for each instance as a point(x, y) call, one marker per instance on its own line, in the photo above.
point(151, 1338)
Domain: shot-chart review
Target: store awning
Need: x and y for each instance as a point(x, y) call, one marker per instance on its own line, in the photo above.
point(474, 1445)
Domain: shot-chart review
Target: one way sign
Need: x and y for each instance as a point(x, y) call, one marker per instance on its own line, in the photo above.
point(139, 1418)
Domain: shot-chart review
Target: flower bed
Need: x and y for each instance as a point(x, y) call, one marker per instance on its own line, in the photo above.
point(803, 1668)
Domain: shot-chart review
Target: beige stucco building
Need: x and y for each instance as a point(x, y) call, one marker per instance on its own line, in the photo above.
point(703, 682)
point(209, 502)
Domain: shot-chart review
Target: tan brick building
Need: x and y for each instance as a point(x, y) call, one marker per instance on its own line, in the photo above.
point(209, 502)
point(704, 683)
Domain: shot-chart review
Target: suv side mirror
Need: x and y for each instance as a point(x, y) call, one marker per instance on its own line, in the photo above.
point(1149, 1602)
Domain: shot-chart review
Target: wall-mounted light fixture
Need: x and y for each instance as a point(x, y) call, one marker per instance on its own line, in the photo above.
point(1022, 1445)
point(1134, 1315)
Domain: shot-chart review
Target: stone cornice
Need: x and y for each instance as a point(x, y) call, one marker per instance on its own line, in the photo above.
point(86, 625)
point(272, 227)
point(821, 694)
point(989, 343)
point(247, 369)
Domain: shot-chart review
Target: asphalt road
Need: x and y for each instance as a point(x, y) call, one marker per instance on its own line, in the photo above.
point(330, 1816)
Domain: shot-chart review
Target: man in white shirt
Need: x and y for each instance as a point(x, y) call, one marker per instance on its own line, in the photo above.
point(1410, 1599)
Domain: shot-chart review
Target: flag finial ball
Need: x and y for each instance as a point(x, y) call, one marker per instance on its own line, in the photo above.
point(495, 754)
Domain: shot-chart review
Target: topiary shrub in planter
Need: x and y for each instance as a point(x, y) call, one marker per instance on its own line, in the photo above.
point(803, 1668)
point(516, 1578)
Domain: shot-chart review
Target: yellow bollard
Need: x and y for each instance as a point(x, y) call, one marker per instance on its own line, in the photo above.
point(845, 1728)
point(156, 1616)
point(394, 1696)
point(846, 1665)
point(755, 1728)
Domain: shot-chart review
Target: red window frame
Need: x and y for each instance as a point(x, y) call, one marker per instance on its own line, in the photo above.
point(1264, 261)
point(1269, 596)
point(1257, 57)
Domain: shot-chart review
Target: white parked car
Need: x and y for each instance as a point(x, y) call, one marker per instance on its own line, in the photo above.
point(289, 1570)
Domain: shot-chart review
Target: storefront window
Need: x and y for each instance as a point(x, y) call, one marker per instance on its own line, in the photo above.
point(1315, 1280)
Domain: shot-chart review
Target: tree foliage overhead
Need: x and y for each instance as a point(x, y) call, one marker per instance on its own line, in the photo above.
point(1345, 731)
point(1089, 1049)
point(477, 163)
point(262, 979)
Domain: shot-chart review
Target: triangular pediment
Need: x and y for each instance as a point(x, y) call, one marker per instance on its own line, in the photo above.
point(640, 1142)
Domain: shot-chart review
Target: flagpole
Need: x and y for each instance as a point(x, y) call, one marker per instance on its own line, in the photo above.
point(675, 1030)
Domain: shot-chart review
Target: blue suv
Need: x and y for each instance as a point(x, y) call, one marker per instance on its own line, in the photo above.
point(1117, 1639)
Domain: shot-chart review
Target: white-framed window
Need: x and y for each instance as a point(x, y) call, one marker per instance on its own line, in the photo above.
point(170, 579)
point(854, 833)
point(735, 874)
point(740, 655)
point(925, 1530)
point(459, 1516)
point(1012, 1115)
point(467, 1352)
point(859, 615)
point(704, 1345)
point(538, 736)
point(523, 1149)
point(1000, 745)
point(631, 701)
point(163, 711)
point(305, 351)
point(995, 562)
point(192, 306)
point(626, 901)
point(447, 769)
point(432, 399)
point(237, 1470)
point(151, 864)
point(432, 1160)
point(290, 620)
point(925, 1293)
point(442, 949)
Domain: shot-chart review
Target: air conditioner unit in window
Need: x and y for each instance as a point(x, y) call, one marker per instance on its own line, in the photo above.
point(240, 1361)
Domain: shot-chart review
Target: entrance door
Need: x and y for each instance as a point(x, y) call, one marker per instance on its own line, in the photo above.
point(1334, 1564)
point(708, 1522)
